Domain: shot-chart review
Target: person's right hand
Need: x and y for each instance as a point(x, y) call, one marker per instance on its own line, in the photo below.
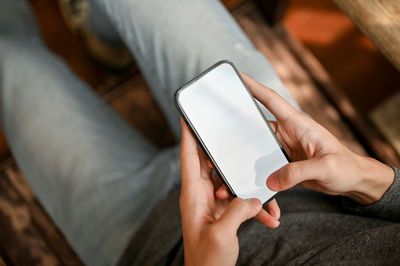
point(319, 161)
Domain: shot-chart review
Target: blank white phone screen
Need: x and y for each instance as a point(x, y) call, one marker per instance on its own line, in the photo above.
point(226, 119)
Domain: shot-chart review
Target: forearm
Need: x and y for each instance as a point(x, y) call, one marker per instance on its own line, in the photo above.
point(375, 180)
point(386, 204)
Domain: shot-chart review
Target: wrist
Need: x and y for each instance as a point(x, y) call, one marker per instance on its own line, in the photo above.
point(375, 178)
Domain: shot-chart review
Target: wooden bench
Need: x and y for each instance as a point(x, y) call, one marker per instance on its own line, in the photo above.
point(28, 235)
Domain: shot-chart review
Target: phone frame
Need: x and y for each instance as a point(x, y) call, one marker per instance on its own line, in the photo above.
point(193, 129)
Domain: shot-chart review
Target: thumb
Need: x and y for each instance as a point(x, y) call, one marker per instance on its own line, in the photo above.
point(238, 211)
point(294, 173)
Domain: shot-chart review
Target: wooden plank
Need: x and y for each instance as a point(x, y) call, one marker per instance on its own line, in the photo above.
point(367, 133)
point(232, 4)
point(296, 79)
point(380, 21)
point(4, 151)
point(28, 236)
point(386, 117)
point(134, 102)
point(273, 10)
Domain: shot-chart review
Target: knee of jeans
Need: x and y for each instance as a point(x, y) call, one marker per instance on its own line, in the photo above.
point(17, 19)
point(102, 26)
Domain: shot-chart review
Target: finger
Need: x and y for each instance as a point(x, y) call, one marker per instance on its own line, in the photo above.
point(267, 219)
point(210, 164)
point(223, 192)
point(238, 211)
point(190, 164)
point(205, 169)
point(274, 126)
point(189, 143)
point(278, 106)
point(273, 209)
point(295, 173)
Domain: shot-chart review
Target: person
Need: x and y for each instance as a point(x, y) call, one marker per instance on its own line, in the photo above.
point(115, 196)
point(315, 230)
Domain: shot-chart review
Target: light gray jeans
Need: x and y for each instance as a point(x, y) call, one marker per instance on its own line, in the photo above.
point(96, 176)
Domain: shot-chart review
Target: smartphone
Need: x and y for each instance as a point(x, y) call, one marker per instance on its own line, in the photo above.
point(232, 130)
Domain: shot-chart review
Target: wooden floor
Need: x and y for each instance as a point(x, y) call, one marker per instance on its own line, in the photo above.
point(355, 65)
point(351, 60)
point(28, 236)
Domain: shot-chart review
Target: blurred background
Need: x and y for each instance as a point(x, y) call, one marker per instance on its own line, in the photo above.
point(335, 72)
point(354, 64)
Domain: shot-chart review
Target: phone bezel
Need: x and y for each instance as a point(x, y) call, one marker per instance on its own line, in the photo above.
point(193, 129)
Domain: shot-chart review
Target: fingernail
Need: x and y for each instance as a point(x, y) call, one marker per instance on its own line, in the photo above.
point(276, 223)
point(274, 214)
point(272, 182)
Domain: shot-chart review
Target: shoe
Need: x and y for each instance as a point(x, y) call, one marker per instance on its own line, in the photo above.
point(108, 51)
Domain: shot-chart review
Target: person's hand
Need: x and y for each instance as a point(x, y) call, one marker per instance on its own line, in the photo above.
point(210, 224)
point(320, 161)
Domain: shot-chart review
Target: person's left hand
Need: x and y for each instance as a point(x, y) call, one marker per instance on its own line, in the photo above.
point(210, 223)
